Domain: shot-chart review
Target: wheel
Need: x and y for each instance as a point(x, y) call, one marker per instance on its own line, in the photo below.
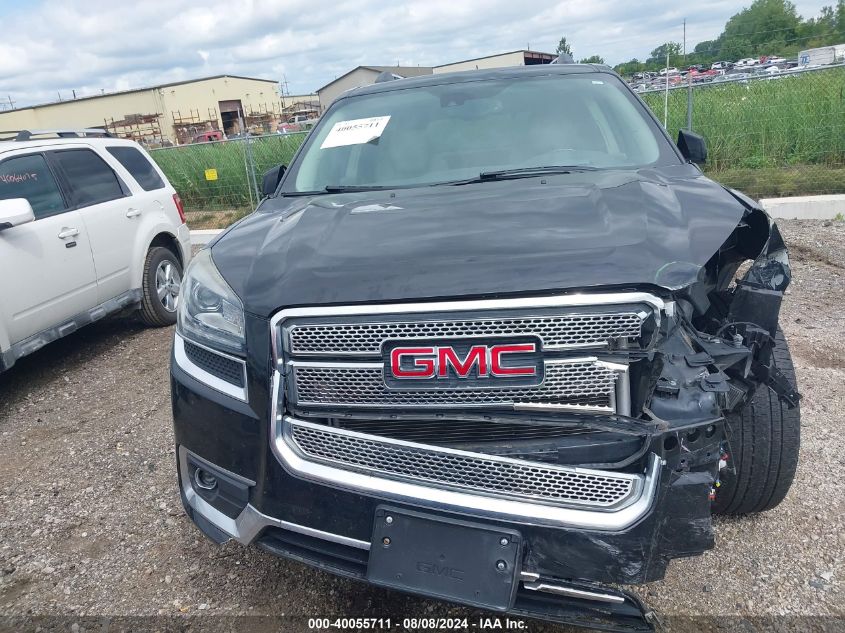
point(763, 441)
point(161, 282)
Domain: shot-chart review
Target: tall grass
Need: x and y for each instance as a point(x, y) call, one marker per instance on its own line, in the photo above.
point(785, 123)
point(186, 166)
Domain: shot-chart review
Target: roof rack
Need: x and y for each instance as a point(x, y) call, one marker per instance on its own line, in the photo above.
point(26, 135)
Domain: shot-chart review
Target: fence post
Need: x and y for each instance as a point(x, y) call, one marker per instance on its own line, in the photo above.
point(689, 103)
point(248, 163)
point(252, 179)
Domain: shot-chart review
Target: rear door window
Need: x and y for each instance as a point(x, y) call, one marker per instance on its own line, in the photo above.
point(139, 166)
point(30, 177)
point(91, 180)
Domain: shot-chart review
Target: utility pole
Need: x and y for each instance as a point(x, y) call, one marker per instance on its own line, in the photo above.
point(685, 42)
point(11, 103)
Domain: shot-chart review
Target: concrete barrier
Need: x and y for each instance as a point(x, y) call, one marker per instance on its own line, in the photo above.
point(201, 237)
point(806, 207)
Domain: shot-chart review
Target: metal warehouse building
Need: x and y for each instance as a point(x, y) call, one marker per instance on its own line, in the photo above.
point(366, 75)
point(170, 113)
point(501, 60)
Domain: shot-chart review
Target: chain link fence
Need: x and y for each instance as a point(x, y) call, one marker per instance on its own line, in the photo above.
point(220, 182)
point(781, 134)
point(768, 136)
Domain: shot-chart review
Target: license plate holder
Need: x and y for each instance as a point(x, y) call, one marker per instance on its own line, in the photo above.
point(443, 558)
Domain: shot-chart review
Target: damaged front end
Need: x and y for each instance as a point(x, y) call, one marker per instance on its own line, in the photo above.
point(592, 432)
point(735, 320)
point(698, 358)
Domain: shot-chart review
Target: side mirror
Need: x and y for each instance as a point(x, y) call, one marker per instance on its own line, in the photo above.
point(692, 147)
point(14, 212)
point(272, 179)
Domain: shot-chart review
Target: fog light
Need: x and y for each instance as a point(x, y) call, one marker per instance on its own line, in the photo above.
point(204, 479)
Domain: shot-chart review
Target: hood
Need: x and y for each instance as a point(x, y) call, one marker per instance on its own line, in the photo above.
point(537, 235)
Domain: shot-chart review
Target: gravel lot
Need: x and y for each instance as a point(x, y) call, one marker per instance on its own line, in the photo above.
point(91, 523)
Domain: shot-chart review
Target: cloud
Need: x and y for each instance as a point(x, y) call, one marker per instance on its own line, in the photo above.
point(92, 46)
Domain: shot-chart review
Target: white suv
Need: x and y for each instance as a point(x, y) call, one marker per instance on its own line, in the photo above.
point(89, 226)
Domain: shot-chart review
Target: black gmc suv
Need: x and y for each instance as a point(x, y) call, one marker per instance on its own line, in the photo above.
point(491, 337)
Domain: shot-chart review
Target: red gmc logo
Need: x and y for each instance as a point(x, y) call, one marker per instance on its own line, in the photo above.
point(482, 361)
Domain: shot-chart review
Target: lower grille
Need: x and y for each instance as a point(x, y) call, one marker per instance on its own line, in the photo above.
point(475, 472)
point(446, 431)
point(578, 382)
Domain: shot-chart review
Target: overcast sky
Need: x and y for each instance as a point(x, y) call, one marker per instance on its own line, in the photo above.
point(47, 48)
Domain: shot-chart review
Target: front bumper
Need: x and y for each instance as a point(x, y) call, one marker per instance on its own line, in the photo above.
point(299, 511)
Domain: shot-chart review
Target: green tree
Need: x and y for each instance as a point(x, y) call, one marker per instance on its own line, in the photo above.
point(763, 28)
point(593, 59)
point(630, 67)
point(659, 53)
point(563, 47)
point(705, 48)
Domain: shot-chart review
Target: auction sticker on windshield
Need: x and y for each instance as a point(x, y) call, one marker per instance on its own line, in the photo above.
point(355, 131)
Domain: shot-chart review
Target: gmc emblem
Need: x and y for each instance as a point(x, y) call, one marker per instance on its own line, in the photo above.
point(437, 570)
point(424, 362)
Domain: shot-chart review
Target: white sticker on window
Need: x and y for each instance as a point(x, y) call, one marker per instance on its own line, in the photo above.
point(355, 132)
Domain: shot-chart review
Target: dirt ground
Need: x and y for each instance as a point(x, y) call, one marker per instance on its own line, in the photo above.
point(91, 523)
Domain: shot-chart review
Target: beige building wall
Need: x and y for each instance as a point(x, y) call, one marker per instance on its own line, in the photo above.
point(504, 60)
point(82, 113)
point(200, 97)
point(289, 100)
point(205, 96)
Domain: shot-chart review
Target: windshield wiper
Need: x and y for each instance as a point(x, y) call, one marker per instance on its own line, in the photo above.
point(485, 176)
point(353, 188)
point(336, 189)
point(528, 172)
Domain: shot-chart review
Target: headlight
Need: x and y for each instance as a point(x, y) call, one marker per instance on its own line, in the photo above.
point(209, 311)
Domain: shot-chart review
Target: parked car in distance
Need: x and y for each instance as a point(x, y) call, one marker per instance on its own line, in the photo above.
point(89, 226)
point(207, 136)
point(721, 65)
point(668, 71)
point(746, 62)
point(697, 77)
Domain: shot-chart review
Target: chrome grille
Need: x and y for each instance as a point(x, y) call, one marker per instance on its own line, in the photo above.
point(459, 469)
point(556, 331)
point(581, 382)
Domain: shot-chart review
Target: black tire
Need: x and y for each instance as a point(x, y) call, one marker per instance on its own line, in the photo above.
point(763, 446)
point(153, 311)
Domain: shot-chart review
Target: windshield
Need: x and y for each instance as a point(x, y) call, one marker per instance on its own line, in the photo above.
point(456, 131)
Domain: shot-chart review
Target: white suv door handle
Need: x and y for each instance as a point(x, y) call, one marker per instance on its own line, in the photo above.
point(133, 213)
point(68, 232)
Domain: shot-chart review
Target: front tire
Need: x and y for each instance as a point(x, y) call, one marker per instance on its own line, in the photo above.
point(160, 287)
point(763, 444)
